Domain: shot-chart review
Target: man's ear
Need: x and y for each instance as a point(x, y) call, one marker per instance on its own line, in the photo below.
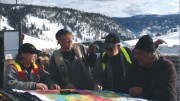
point(118, 46)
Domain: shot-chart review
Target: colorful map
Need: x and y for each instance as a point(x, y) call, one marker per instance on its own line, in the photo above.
point(81, 95)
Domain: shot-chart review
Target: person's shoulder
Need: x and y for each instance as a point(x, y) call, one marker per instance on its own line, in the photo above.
point(78, 45)
point(54, 53)
point(11, 67)
point(130, 52)
point(39, 66)
point(52, 56)
point(166, 61)
point(127, 49)
point(167, 64)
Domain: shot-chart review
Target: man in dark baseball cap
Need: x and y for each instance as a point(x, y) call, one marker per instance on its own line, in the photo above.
point(114, 63)
point(146, 43)
point(25, 73)
point(111, 40)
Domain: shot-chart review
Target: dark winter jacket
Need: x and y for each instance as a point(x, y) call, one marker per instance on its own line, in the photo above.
point(158, 82)
point(113, 75)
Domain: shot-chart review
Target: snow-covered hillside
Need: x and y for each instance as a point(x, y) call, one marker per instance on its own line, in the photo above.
point(39, 20)
point(41, 44)
point(40, 23)
point(47, 39)
point(4, 24)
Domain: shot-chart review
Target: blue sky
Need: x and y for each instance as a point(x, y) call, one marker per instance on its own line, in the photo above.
point(112, 8)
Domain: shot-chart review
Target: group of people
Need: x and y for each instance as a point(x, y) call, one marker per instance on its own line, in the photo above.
point(140, 72)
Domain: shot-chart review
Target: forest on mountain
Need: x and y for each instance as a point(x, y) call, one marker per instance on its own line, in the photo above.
point(93, 24)
point(151, 24)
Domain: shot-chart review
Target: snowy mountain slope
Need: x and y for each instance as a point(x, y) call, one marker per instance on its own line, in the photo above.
point(48, 40)
point(40, 44)
point(40, 23)
point(85, 26)
point(4, 24)
point(153, 25)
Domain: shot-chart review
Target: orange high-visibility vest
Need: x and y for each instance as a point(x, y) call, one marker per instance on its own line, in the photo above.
point(22, 73)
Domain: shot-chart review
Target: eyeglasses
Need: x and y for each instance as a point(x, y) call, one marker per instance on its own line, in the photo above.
point(109, 46)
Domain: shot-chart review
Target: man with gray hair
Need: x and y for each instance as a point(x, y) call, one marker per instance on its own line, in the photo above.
point(68, 65)
point(152, 76)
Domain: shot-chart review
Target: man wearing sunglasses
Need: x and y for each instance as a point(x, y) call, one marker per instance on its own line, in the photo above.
point(112, 65)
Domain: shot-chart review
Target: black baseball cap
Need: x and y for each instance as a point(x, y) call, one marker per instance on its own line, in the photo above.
point(112, 38)
point(28, 48)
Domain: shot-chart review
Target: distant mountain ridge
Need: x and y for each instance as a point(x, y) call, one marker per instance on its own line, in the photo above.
point(86, 26)
point(154, 25)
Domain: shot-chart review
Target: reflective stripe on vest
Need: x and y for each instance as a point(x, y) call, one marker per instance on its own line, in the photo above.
point(35, 69)
point(22, 73)
point(128, 59)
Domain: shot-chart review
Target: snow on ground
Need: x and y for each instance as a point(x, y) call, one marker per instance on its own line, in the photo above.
point(53, 27)
point(4, 23)
point(47, 40)
point(39, 43)
point(171, 39)
point(172, 47)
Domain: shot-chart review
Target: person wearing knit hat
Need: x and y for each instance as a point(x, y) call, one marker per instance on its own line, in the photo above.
point(146, 43)
point(68, 65)
point(152, 77)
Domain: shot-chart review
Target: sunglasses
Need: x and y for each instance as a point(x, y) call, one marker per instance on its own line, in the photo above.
point(110, 46)
point(109, 49)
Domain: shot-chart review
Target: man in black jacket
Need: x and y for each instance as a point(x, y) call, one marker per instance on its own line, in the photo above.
point(152, 76)
point(112, 65)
